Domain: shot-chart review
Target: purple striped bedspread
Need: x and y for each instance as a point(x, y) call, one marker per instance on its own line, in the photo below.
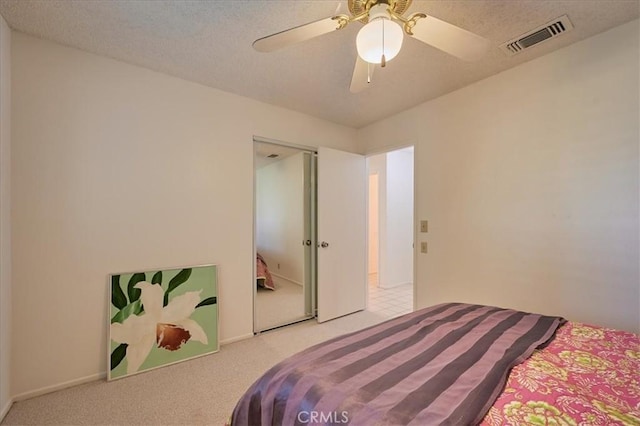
point(445, 364)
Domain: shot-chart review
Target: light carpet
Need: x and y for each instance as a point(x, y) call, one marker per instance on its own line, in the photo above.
point(283, 305)
point(202, 391)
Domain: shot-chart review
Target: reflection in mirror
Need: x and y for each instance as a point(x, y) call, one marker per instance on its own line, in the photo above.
point(283, 227)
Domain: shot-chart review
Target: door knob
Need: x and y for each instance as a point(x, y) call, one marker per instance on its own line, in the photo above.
point(307, 242)
point(324, 244)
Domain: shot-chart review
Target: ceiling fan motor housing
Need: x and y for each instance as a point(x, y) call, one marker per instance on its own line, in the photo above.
point(358, 7)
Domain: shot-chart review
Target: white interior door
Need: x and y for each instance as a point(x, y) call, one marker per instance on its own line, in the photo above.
point(341, 233)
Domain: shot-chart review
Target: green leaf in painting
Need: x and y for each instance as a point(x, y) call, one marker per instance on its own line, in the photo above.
point(134, 293)
point(157, 278)
point(118, 355)
point(118, 298)
point(134, 308)
point(208, 301)
point(179, 279)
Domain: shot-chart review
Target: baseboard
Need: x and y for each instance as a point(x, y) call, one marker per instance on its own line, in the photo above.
point(394, 285)
point(6, 409)
point(288, 279)
point(60, 386)
point(82, 380)
point(236, 339)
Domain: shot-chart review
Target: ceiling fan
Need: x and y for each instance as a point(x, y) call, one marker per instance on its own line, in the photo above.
point(380, 39)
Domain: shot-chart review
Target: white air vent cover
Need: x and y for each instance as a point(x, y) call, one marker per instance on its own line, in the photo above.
point(549, 30)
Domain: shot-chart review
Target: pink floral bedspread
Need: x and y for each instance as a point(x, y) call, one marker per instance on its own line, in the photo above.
point(586, 376)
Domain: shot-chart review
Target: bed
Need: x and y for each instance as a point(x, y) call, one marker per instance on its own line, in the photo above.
point(456, 364)
point(263, 276)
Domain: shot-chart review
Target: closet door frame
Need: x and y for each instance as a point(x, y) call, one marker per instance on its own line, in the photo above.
point(312, 256)
point(338, 269)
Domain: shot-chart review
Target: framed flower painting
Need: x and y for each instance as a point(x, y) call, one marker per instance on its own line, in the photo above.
point(161, 317)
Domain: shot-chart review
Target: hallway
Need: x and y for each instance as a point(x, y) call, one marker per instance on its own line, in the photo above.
point(390, 302)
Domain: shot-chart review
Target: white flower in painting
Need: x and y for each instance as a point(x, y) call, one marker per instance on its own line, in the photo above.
point(169, 327)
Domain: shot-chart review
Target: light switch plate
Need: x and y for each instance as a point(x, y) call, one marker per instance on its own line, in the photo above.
point(423, 247)
point(424, 226)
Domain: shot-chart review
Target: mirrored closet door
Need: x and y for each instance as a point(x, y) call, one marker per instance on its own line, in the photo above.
point(284, 235)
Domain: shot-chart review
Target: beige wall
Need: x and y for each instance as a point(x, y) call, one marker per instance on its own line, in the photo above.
point(377, 164)
point(117, 168)
point(374, 223)
point(5, 217)
point(529, 180)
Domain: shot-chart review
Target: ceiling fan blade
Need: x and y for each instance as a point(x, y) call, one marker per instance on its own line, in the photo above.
point(362, 74)
point(450, 39)
point(295, 35)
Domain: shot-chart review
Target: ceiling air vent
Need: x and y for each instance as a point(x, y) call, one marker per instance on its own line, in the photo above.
point(549, 30)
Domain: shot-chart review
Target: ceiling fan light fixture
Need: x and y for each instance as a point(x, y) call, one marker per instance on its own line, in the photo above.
point(380, 37)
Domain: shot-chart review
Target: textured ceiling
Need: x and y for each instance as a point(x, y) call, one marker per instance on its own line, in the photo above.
point(262, 151)
point(209, 42)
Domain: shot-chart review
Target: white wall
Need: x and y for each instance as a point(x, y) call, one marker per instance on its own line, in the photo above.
point(5, 217)
point(377, 164)
point(118, 168)
point(280, 216)
point(395, 217)
point(399, 223)
point(529, 180)
point(374, 224)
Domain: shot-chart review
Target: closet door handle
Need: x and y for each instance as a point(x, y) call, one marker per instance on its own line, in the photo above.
point(307, 242)
point(324, 244)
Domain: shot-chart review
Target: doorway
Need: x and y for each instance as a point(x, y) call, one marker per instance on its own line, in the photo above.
point(390, 232)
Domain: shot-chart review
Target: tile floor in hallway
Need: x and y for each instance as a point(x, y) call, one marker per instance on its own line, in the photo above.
point(390, 302)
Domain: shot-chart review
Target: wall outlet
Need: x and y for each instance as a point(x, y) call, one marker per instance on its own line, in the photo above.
point(424, 226)
point(423, 247)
